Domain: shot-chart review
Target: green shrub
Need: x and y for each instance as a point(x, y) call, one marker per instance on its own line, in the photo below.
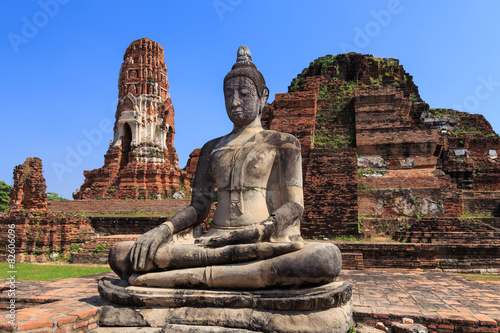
point(100, 248)
point(75, 247)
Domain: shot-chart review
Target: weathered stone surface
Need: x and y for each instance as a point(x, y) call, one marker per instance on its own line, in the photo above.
point(29, 187)
point(334, 294)
point(128, 330)
point(408, 328)
point(333, 320)
point(114, 316)
point(179, 195)
point(371, 161)
point(201, 329)
point(141, 161)
point(238, 266)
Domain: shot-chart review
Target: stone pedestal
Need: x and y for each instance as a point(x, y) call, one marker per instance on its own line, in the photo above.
point(325, 308)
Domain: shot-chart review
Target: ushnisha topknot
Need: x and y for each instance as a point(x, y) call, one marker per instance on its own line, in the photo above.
point(245, 67)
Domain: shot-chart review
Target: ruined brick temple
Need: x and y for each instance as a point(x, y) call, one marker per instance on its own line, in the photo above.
point(29, 187)
point(374, 153)
point(141, 161)
point(41, 232)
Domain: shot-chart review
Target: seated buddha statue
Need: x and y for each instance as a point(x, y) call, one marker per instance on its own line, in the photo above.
point(253, 240)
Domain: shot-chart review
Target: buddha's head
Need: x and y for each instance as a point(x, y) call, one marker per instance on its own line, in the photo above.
point(245, 90)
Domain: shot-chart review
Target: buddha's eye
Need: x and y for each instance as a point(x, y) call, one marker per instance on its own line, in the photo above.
point(244, 92)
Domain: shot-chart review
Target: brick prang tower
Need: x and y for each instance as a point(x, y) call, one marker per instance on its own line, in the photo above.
point(141, 161)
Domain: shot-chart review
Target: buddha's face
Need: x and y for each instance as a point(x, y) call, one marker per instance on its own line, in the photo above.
point(243, 104)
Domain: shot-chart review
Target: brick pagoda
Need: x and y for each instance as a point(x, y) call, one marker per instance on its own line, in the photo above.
point(141, 161)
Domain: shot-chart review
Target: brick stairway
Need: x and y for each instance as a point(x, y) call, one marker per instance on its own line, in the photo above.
point(484, 231)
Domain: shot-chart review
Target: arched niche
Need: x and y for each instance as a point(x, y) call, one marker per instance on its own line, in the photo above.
point(126, 145)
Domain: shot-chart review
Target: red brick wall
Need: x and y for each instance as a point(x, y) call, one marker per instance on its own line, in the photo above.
point(43, 232)
point(91, 207)
point(411, 178)
point(482, 203)
point(123, 225)
point(330, 194)
point(398, 255)
point(295, 113)
point(385, 126)
point(452, 231)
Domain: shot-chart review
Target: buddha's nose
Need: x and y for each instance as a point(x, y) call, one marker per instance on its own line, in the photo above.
point(236, 102)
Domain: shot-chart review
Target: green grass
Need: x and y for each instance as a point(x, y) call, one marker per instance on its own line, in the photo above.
point(480, 277)
point(467, 214)
point(348, 239)
point(50, 272)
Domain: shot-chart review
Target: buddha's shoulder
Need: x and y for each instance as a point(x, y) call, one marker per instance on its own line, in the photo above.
point(279, 139)
point(210, 146)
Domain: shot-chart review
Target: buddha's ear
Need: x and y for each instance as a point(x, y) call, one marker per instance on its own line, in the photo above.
point(263, 100)
point(265, 96)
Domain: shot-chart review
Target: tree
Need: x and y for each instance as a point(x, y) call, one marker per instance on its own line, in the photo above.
point(4, 196)
point(55, 197)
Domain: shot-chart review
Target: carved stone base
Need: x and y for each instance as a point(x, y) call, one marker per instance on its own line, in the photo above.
point(327, 308)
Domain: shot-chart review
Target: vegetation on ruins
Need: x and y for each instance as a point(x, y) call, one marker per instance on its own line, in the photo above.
point(51, 196)
point(75, 247)
point(477, 215)
point(4, 196)
point(100, 248)
point(337, 110)
point(335, 114)
point(383, 71)
point(348, 239)
point(466, 123)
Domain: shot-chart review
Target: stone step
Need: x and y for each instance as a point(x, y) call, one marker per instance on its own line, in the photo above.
point(127, 330)
point(172, 328)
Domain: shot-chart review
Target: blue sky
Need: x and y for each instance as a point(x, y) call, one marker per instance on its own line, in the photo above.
point(61, 60)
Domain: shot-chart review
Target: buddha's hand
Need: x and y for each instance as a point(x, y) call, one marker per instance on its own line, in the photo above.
point(145, 247)
point(253, 234)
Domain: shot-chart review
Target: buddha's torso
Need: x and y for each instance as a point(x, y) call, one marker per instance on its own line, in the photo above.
point(244, 171)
